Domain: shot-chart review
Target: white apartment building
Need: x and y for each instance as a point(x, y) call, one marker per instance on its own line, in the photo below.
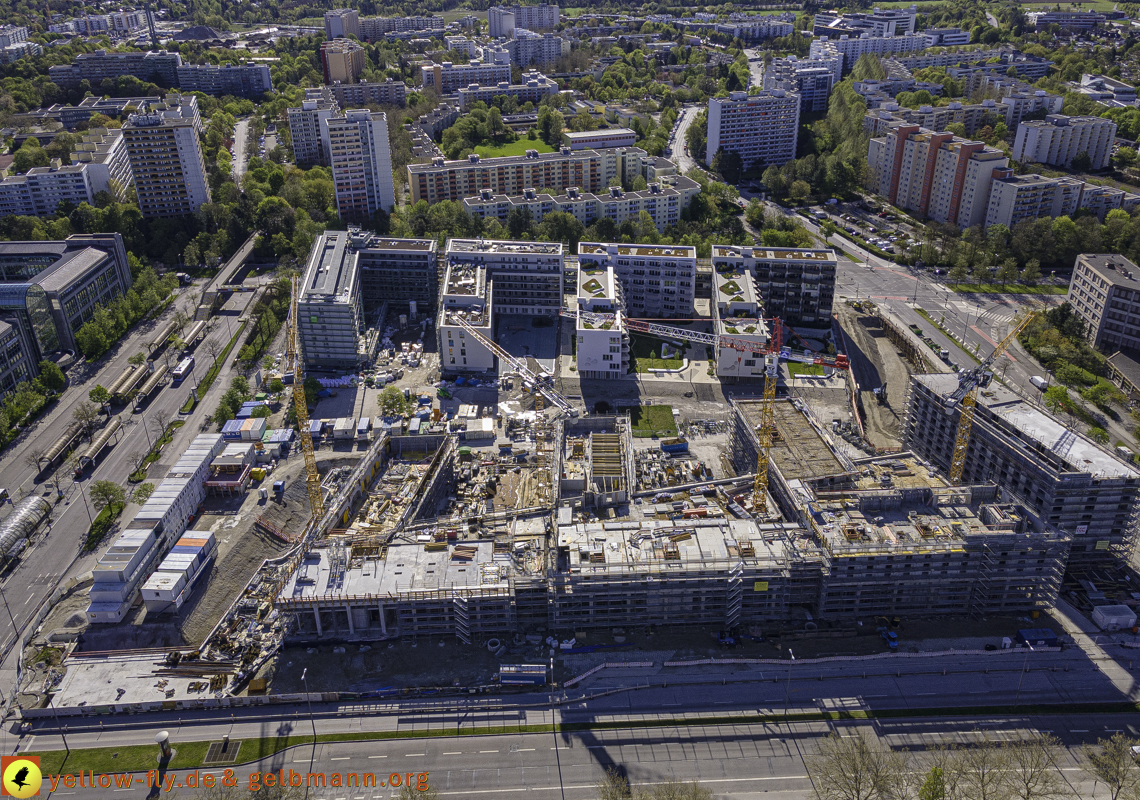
point(1020, 198)
point(358, 95)
point(467, 295)
point(240, 80)
point(166, 157)
point(448, 78)
point(756, 28)
point(1058, 139)
point(461, 44)
point(795, 285)
point(656, 281)
point(502, 21)
point(738, 315)
point(946, 37)
point(361, 163)
point(104, 152)
point(811, 80)
point(880, 22)
point(39, 191)
point(663, 202)
point(853, 47)
point(960, 185)
point(375, 28)
point(1018, 103)
point(340, 23)
point(596, 140)
point(1105, 293)
point(534, 87)
point(528, 48)
point(528, 276)
point(308, 129)
point(761, 127)
point(602, 347)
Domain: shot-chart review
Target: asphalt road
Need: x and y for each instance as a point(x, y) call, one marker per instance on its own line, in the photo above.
point(684, 161)
point(57, 553)
point(241, 133)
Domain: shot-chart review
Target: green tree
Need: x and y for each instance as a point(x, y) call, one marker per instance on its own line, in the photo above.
point(137, 360)
point(800, 190)
point(142, 493)
point(276, 386)
point(868, 67)
point(393, 402)
point(30, 155)
point(260, 411)
point(1032, 272)
point(1112, 762)
point(1007, 273)
point(312, 386)
point(1081, 162)
point(934, 788)
point(1057, 399)
point(51, 376)
point(107, 493)
point(728, 164)
point(99, 395)
point(1098, 434)
point(754, 214)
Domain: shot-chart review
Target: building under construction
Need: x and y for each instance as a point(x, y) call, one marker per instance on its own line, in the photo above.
point(1073, 484)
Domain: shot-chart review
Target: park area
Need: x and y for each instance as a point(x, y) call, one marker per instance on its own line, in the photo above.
point(648, 421)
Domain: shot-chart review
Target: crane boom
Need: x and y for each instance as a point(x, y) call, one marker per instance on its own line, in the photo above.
point(293, 356)
point(967, 395)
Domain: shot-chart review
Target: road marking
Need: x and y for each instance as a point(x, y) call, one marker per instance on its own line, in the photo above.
point(456, 753)
point(413, 755)
point(521, 750)
point(341, 758)
point(1078, 730)
point(371, 757)
point(487, 751)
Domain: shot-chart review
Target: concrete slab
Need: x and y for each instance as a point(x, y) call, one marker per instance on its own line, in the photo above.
point(519, 336)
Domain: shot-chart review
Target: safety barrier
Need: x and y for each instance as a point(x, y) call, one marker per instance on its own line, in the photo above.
point(602, 666)
point(872, 657)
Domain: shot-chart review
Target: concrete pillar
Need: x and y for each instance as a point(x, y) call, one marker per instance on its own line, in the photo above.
point(348, 613)
point(383, 624)
point(317, 617)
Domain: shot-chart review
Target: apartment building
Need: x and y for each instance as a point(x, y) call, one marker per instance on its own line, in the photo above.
point(449, 78)
point(946, 37)
point(1105, 293)
point(663, 201)
point(502, 21)
point(960, 185)
point(104, 152)
point(361, 161)
point(600, 139)
point(51, 289)
point(738, 315)
point(1068, 20)
point(528, 275)
point(948, 58)
point(602, 347)
point(70, 116)
point(534, 87)
point(881, 22)
point(812, 80)
point(329, 305)
point(340, 23)
point(588, 170)
point(468, 296)
point(342, 60)
point(1017, 104)
point(166, 157)
point(404, 273)
point(762, 128)
point(308, 129)
point(158, 67)
point(1099, 200)
point(461, 44)
point(528, 48)
point(12, 34)
point(1075, 486)
point(10, 54)
point(358, 95)
point(851, 48)
point(656, 281)
point(40, 191)
point(248, 80)
point(798, 286)
point(757, 27)
point(1021, 198)
point(373, 29)
point(1058, 139)
point(976, 73)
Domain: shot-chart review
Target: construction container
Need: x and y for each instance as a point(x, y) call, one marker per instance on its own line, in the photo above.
point(253, 429)
point(1037, 637)
point(1114, 618)
point(258, 473)
point(345, 428)
point(480, 429)
point(364, 429)
point(316, 426)
point(232, 429)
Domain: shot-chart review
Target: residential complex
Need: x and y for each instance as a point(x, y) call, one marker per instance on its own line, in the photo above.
point(1022, 198)
point(529, 48)
point(946, 37)
point(166, 157)
point(249, 80)
point(40, 191)
point(329, 304)
point(534, 87)
point(656, 280)
point(502, 21)
point(1058, 139)
point(308, 127)
point(851, 48)
point(1070, 20)
point(361, 161)
point(468, 296)
point(598, 140)
point(738, 315)
point(159, 67)
point(342, 61)
point(762, 128)
point(403, 273)
point(104, 152)
point(373, 29)
point(1075, 487)
point(811, 79)
point(757, 28)
point(448, 78)
point(663, 201)
point(798, 286)
point(340, 23)
point(358, 95)
point(528, 275)
point(601, 349)
point(881, 22)
point(1105, 293)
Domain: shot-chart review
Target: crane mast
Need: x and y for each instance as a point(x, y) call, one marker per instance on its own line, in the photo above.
point(293, 357)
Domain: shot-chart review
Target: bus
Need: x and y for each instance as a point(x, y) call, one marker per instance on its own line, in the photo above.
point(184, 368)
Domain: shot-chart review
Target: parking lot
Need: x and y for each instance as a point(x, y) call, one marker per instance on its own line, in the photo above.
point(881, 230)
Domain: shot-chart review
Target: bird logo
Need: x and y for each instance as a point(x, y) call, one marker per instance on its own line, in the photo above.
point(21, 776)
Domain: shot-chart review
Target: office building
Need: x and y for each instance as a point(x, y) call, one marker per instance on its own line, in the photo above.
point(812, 80)
point(1058, 139)
point(798, 286)
point(1075, 486)
point(1067, 20)
point(1024, 198)
point(851, 48)
point(166, 158)
point(502, 21)
point(157, 67)
point(600, 139)
point(340, 23)
point(534, 87)
point(342, 60)
point(602, 347)
point(307, 128)
point(329, 305)
point(1105, 293)
point(528, 275)
point(663, 202)
point(762, 128)
point(448, 78)
point(528, 48)
point(1104, 89)
point(373, 29)
point(16, 358)
point(946, 37)
point(359, 95)
point(881, 22)
point(738, 314)
point(404, 273)
point(361, 162)
point(587, 170)
point(40, 191)
point(50, 289)
point(467, 295)
point(104, 152)
point(249, 80)
point(656, 280)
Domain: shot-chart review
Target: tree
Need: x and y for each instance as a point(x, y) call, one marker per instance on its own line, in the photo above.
point(412, 791)
point(137, 360)
point(212, 349)
point(276, 386)
point(312, 386)
point(728, 164)
point(934, 787)
point(613, 786)
point(1032, 272)
point(34, 459)
point(260, 411)
point(1098, 435)
point(86, 414)
point(800, 190)
point(393, 402)
point(136, 458)
point(754, 214)
point(30, 155)
point(1081, 162)
point(159, 419)
point(1057, 399)
point(142, 493)
point(958, 274)
point(1007, 273)
point(107, 493)
point(1033, 772)
point(99, 395)
point(1113, 764)
point(51, 376)
point(856, 767)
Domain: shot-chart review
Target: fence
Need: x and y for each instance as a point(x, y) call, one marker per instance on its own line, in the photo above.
point(627, 664)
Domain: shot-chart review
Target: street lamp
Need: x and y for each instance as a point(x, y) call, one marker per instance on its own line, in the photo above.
point(15, 627)
point(58, 724)
point(1024, 664)
point(788, 686)
point(309, 700)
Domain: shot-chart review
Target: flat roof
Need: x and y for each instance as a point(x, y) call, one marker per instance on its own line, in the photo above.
point(798, 449)
point(502, 246)
point(1112, 268)
point(573, 135)
point(504, 161)
point(638, 250)
point(331, 271)
point(735, 286)
point(772, 253)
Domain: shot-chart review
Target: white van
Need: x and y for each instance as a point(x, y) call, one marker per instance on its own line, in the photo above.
point(1039, 382)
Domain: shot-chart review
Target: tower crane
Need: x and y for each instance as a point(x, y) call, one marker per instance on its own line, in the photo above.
point(293, 357)
point(966, 395)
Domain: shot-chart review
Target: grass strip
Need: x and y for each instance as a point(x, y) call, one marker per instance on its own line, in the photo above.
point(152, 456)
point(100, 525)
point(1001, 288)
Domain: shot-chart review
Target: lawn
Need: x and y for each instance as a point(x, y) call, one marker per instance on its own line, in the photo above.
point(644, 352)
point(1012, 288)
point(796, 368)
point(652, 421)
point(517, 148)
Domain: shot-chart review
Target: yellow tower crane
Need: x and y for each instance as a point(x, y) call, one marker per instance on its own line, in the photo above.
point(293, 356)
point(765, 432)
point(967, 395)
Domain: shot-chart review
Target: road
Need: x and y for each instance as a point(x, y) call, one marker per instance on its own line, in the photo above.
point(56, 554)
point(755, 67)
point(682, 159)
point(241, 157)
